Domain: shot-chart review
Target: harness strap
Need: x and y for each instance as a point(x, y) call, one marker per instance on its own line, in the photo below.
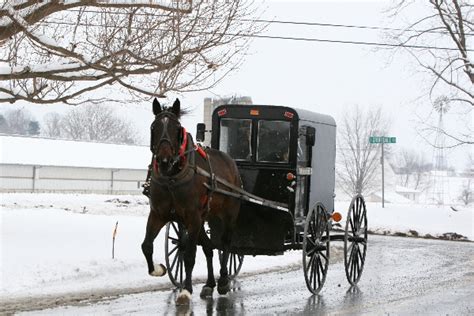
point(212, 179)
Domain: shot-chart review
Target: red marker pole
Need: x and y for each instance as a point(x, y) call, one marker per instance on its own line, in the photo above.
point(113, 240)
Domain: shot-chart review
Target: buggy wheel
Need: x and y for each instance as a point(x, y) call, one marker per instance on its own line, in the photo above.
point(355, 239)
point(174, 250)
point(234, 264)
point(316, 248)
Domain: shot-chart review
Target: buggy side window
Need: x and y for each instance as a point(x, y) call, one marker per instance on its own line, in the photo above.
point(235, 138)
point(302, 179)
point(273, 143)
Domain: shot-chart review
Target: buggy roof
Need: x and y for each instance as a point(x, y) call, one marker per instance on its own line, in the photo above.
point(309, 116)
point(304, 115)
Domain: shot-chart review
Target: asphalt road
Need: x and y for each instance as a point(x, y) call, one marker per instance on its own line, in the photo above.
point(402, 276)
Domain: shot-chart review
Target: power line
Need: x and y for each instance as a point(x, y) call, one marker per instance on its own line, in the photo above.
point(291, 38)
point(290, 22)
point(368, 27)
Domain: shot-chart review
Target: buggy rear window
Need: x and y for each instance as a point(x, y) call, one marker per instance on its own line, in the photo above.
point(273, 142)
point(235, 138)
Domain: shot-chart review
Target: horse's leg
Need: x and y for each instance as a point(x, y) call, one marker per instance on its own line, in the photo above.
point(193, 229)
point(223, 284)
point(207, 248)
point(153, 227)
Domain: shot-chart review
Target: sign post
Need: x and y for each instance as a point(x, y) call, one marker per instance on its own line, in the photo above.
point(382, 140)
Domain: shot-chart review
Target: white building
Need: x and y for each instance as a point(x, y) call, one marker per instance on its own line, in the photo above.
point(30, 164)
point(209, 107)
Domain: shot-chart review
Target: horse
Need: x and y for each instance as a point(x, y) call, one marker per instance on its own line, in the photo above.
point(178, 193)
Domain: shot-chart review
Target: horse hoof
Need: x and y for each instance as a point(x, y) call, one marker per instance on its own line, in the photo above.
point(184, 298)
point(223, 289)
point(160, 270)
point(206, 292)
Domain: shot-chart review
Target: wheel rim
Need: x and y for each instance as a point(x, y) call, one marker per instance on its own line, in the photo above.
point(355, 239)
point(174, 250)
point(316, 248)
point(234, 264)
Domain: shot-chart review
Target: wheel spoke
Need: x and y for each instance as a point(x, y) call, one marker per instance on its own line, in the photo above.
point(318, 264)
point(173, 250)
point(351, 260)
point(356, 268)
point(173, 239)
point(309, 268)
point(315, 272)
point(361, 258)
point(176, 259)
point(175, 274)
point(324, 256)
point(176, 230)
point(352, 224)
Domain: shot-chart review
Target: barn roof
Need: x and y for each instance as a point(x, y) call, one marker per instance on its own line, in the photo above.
point(55, 152)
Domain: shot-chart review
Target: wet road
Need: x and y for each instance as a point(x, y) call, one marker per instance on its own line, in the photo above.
point(402, 276)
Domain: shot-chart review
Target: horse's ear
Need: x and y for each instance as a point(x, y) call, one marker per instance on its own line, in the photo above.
point(176, 109)
point(156, 107)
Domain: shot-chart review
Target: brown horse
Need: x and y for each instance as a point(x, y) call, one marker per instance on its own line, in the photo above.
point(178, 194)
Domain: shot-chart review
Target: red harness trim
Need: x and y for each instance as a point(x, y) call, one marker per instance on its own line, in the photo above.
point(200, 151)
point(183, 146)
point(155, 165)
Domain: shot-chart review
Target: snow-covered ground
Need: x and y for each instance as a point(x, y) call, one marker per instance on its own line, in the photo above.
point(59, 243)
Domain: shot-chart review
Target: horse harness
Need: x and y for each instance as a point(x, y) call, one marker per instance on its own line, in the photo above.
point(186, 157)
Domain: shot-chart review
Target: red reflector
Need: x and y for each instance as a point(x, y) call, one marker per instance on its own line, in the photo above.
point(289, 115)
point(254, 112)
point(290, 176)
point(336, 216)
point(222, 112)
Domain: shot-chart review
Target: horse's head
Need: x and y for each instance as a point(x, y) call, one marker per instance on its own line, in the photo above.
point(168, 138)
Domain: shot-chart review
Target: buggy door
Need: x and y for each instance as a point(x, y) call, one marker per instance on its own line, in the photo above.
point(303, 172)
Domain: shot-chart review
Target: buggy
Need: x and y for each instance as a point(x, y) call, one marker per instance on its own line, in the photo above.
point(286, 159)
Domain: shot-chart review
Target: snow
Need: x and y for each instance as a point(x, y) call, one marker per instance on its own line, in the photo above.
point(402, 189)
point(58, 243)
point(42, 151)
point(424, 219)
point(46, 249)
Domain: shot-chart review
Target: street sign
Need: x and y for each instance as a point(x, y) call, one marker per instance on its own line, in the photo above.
point(382, 139)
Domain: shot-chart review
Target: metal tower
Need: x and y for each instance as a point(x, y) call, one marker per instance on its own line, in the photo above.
point(439, 174)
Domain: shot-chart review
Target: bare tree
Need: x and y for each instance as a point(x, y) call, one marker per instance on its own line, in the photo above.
point(57, 51)
point(358, 159)
point(19, 122)
point(3, 124)
point(52, 125)
point(412, 168)
point(445, 33)
point(97, 123)
point(466, 193)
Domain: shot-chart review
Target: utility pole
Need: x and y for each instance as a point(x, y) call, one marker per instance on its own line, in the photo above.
point(383, 180)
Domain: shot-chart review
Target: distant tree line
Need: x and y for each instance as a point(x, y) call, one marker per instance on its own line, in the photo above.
point(19, 122)
point(83, 123)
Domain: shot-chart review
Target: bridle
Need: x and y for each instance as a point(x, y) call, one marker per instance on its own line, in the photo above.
point(166, 117)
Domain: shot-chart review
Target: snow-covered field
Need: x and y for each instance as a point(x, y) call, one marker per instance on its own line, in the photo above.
point(60, 243)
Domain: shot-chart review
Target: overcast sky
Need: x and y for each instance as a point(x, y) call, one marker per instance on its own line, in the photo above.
point(323, 77)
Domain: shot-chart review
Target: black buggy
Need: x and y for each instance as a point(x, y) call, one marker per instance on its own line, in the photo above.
point(286, 158)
